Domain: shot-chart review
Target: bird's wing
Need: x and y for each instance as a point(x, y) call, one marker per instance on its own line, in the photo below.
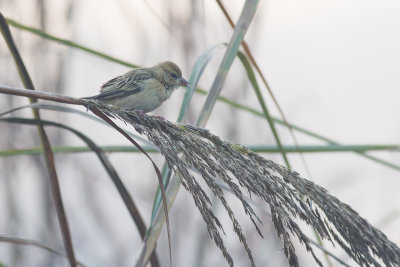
point(110, 84)
point(128, 81)
point(112, 94)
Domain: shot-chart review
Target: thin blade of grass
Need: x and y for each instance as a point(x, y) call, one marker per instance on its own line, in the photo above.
point(258, 69)
point(49, 157)
point(68, 43)
point(254, 83)
point(198, 69)
point(73, 150)
point(243, 24)
point(253, 61)
point(253, 148)
point(67, 109)
point(26, 242)
point(166, 174)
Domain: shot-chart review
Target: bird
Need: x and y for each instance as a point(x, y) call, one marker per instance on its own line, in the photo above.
point(142, 89)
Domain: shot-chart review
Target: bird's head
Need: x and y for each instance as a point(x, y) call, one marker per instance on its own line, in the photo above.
point(169, 74)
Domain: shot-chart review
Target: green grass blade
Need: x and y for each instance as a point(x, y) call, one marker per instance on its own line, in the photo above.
point(197, 71)
point(68, 43)
point(26, 242)
point(166, 174)
point(64, 108)
point(253, 81)
point(242, 25)
point(254, 148)
point(74, 149)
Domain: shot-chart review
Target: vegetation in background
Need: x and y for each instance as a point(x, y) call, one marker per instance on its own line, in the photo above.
point(225, 167)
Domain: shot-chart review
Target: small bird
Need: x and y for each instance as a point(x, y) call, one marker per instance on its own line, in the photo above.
point(142, 89)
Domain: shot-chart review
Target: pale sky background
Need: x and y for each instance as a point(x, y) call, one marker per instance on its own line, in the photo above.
point(333, 66)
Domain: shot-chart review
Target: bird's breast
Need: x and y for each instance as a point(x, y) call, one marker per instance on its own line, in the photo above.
point(148, 99)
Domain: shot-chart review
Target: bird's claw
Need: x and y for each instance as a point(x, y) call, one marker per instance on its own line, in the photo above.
point(160, 118)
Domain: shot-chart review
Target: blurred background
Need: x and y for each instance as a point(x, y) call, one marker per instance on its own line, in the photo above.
point(332, 65)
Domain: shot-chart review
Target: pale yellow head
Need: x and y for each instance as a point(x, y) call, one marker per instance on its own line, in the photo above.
point(169, 74)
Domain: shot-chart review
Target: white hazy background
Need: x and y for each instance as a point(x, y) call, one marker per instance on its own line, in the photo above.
point(333, 66)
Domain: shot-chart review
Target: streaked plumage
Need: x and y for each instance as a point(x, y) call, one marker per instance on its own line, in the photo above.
point(143, 89)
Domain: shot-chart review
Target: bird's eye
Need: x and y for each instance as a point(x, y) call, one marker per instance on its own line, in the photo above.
point(173, 75)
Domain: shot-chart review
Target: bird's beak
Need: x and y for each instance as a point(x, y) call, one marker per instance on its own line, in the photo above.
point(183, 82)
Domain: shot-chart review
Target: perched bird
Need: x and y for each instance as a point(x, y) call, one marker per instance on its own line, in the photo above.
point(142, 89)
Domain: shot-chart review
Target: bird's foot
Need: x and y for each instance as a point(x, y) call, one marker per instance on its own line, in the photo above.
point(87, 106)
point(160, 118)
